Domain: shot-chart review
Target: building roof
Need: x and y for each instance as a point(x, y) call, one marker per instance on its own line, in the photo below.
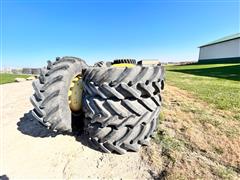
point(227, 38)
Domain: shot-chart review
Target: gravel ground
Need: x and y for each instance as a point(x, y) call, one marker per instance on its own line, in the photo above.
point(28, 150)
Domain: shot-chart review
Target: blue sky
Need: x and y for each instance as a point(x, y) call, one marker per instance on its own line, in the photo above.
point(35, 31)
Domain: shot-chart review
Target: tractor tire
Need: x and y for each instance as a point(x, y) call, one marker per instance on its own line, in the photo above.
point(102, 64)
point(50, 100)
point(127, 61)
point(122, 106)
point(122, 125)
point(121, 83)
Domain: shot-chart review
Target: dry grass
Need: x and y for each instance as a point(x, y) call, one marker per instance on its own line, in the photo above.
point(195, 140)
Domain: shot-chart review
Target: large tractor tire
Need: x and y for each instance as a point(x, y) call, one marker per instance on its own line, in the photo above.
point(122, 106)
point(58, 83)
point(121, 83)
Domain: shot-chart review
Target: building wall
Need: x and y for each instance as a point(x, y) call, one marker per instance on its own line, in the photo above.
point(227, 49)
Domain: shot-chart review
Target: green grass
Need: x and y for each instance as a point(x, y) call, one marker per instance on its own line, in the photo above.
point(217, 84)
point(8, 78)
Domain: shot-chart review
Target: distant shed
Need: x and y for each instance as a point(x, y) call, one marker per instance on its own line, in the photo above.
point(224, 49)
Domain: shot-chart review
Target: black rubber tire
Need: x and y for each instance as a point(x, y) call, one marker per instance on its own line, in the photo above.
point(127, 61)
point(50, 99)
point(121, 83)
point(102, 64)
point(122, 106)
point(122, 125)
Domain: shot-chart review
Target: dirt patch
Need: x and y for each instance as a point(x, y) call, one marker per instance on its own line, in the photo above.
point(195, 140)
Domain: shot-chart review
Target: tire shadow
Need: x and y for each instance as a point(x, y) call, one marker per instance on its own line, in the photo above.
point(4, 177)
point(28, 125)
point(83, 139)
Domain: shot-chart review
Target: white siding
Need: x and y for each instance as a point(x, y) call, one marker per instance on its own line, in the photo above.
point(225, 49)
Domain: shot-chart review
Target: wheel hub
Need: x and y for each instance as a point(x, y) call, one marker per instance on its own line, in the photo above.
point(75, 94)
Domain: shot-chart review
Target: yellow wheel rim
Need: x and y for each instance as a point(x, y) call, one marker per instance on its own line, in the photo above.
point(75, 94)
point(124, 65)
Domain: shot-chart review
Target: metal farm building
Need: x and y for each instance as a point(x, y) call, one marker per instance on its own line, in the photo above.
point(226, 49)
